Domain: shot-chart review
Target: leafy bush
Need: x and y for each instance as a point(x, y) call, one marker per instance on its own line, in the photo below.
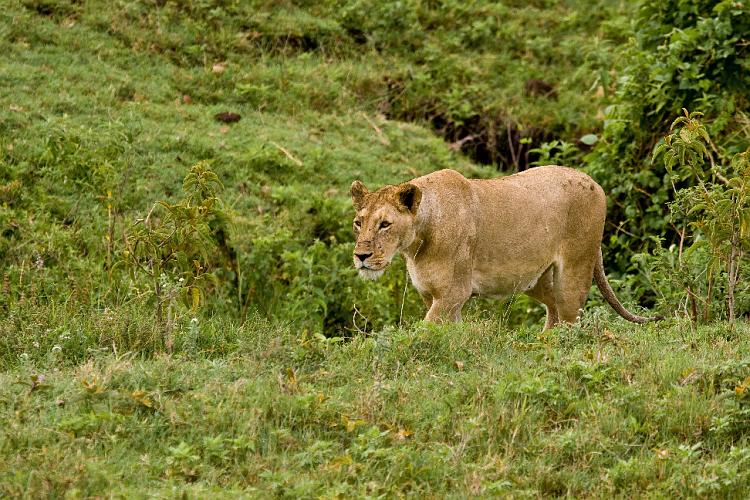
point(308, 279)
point(716, 208)
point(173, 249)
point(684, 54)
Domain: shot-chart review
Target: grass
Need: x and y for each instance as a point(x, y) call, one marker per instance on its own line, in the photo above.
point(111, 105)
point(270, 388)
point(111, 120)
point(467, 410)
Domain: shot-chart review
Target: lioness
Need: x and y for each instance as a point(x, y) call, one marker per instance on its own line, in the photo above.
point(538, 232)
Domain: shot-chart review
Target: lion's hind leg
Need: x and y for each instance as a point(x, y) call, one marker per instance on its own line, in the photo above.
point(544, 292)
point(572, 282)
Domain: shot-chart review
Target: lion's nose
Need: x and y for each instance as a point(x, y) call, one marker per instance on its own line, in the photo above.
point(363, 256)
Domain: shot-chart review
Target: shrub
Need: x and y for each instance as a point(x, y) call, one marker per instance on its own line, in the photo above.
point(684, 54)
point(715, 206)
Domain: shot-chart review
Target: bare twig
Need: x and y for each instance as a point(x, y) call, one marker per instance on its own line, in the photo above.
point(682, 240)
point(148, 217)
point(456, 146)
point(363, 330)
point(381, 136)
point(733, 273)
point(618, 228)
point(715, 171)
point(286, 152)
point(492, 140)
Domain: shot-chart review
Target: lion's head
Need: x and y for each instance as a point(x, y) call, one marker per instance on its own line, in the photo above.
point(384, 224)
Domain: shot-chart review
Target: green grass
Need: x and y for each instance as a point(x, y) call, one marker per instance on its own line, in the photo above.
point(110, 104)
point(94, 110)
point(292, 378)
point(473, 409)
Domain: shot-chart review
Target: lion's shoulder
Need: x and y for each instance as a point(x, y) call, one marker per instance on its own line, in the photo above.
point(446, 182)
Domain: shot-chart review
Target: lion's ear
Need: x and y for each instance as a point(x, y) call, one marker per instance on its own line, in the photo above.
point(358, 192)
point(410, 196)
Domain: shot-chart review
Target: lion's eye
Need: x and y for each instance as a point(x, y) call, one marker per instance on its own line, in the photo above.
point(357, 224)
point(385, 225)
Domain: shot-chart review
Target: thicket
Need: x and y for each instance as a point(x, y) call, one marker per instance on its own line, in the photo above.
point(683, 54)
point(700, 276)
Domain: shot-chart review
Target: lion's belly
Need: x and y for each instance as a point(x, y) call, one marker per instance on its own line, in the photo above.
point(497, 284)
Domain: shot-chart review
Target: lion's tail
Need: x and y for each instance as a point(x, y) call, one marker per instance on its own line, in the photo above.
point(609, 295)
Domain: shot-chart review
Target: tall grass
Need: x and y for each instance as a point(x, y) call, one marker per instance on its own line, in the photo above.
point(473, 409)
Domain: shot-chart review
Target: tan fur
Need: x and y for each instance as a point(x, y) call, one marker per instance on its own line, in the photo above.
point(538, 232)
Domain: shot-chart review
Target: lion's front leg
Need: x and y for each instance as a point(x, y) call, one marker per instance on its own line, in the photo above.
point(447, 307)
point(444, 312)
point(426, 298)
point(444, 289)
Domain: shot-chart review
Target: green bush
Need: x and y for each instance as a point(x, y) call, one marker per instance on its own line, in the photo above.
point(684, 54)
point(712, 215)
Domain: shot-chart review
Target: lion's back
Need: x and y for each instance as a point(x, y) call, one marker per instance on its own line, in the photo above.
point(551, 189)
point(549, 203)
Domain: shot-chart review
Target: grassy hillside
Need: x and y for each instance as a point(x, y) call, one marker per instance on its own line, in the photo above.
point(111, 104)
point(220, 344)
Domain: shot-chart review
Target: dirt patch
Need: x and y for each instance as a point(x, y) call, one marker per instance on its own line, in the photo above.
point(539, 88)
point(493, 140)
point(56, 9)
point(489, 139)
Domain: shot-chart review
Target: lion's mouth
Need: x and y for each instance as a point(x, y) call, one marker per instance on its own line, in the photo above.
point(370, 270)
point(374, 264)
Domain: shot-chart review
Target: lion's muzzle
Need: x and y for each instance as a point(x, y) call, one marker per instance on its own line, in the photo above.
point(366, 263)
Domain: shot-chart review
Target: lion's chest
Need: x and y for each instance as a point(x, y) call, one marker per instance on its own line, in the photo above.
point(418, 279)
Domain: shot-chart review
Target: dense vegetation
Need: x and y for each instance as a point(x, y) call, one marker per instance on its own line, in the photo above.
point(178, 311)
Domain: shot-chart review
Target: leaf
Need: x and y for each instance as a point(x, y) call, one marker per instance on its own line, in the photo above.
point(704, 134)
point(403, 434)
point(677, 121)
point(669, 160)
point(685, 135)
point(589, 139)
point(291, 377)
point(745, 225)
point(660, 147)
point(696, 207)
point(142, 398)
point(92, 386)
point(351, 424)
point(340, 461)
